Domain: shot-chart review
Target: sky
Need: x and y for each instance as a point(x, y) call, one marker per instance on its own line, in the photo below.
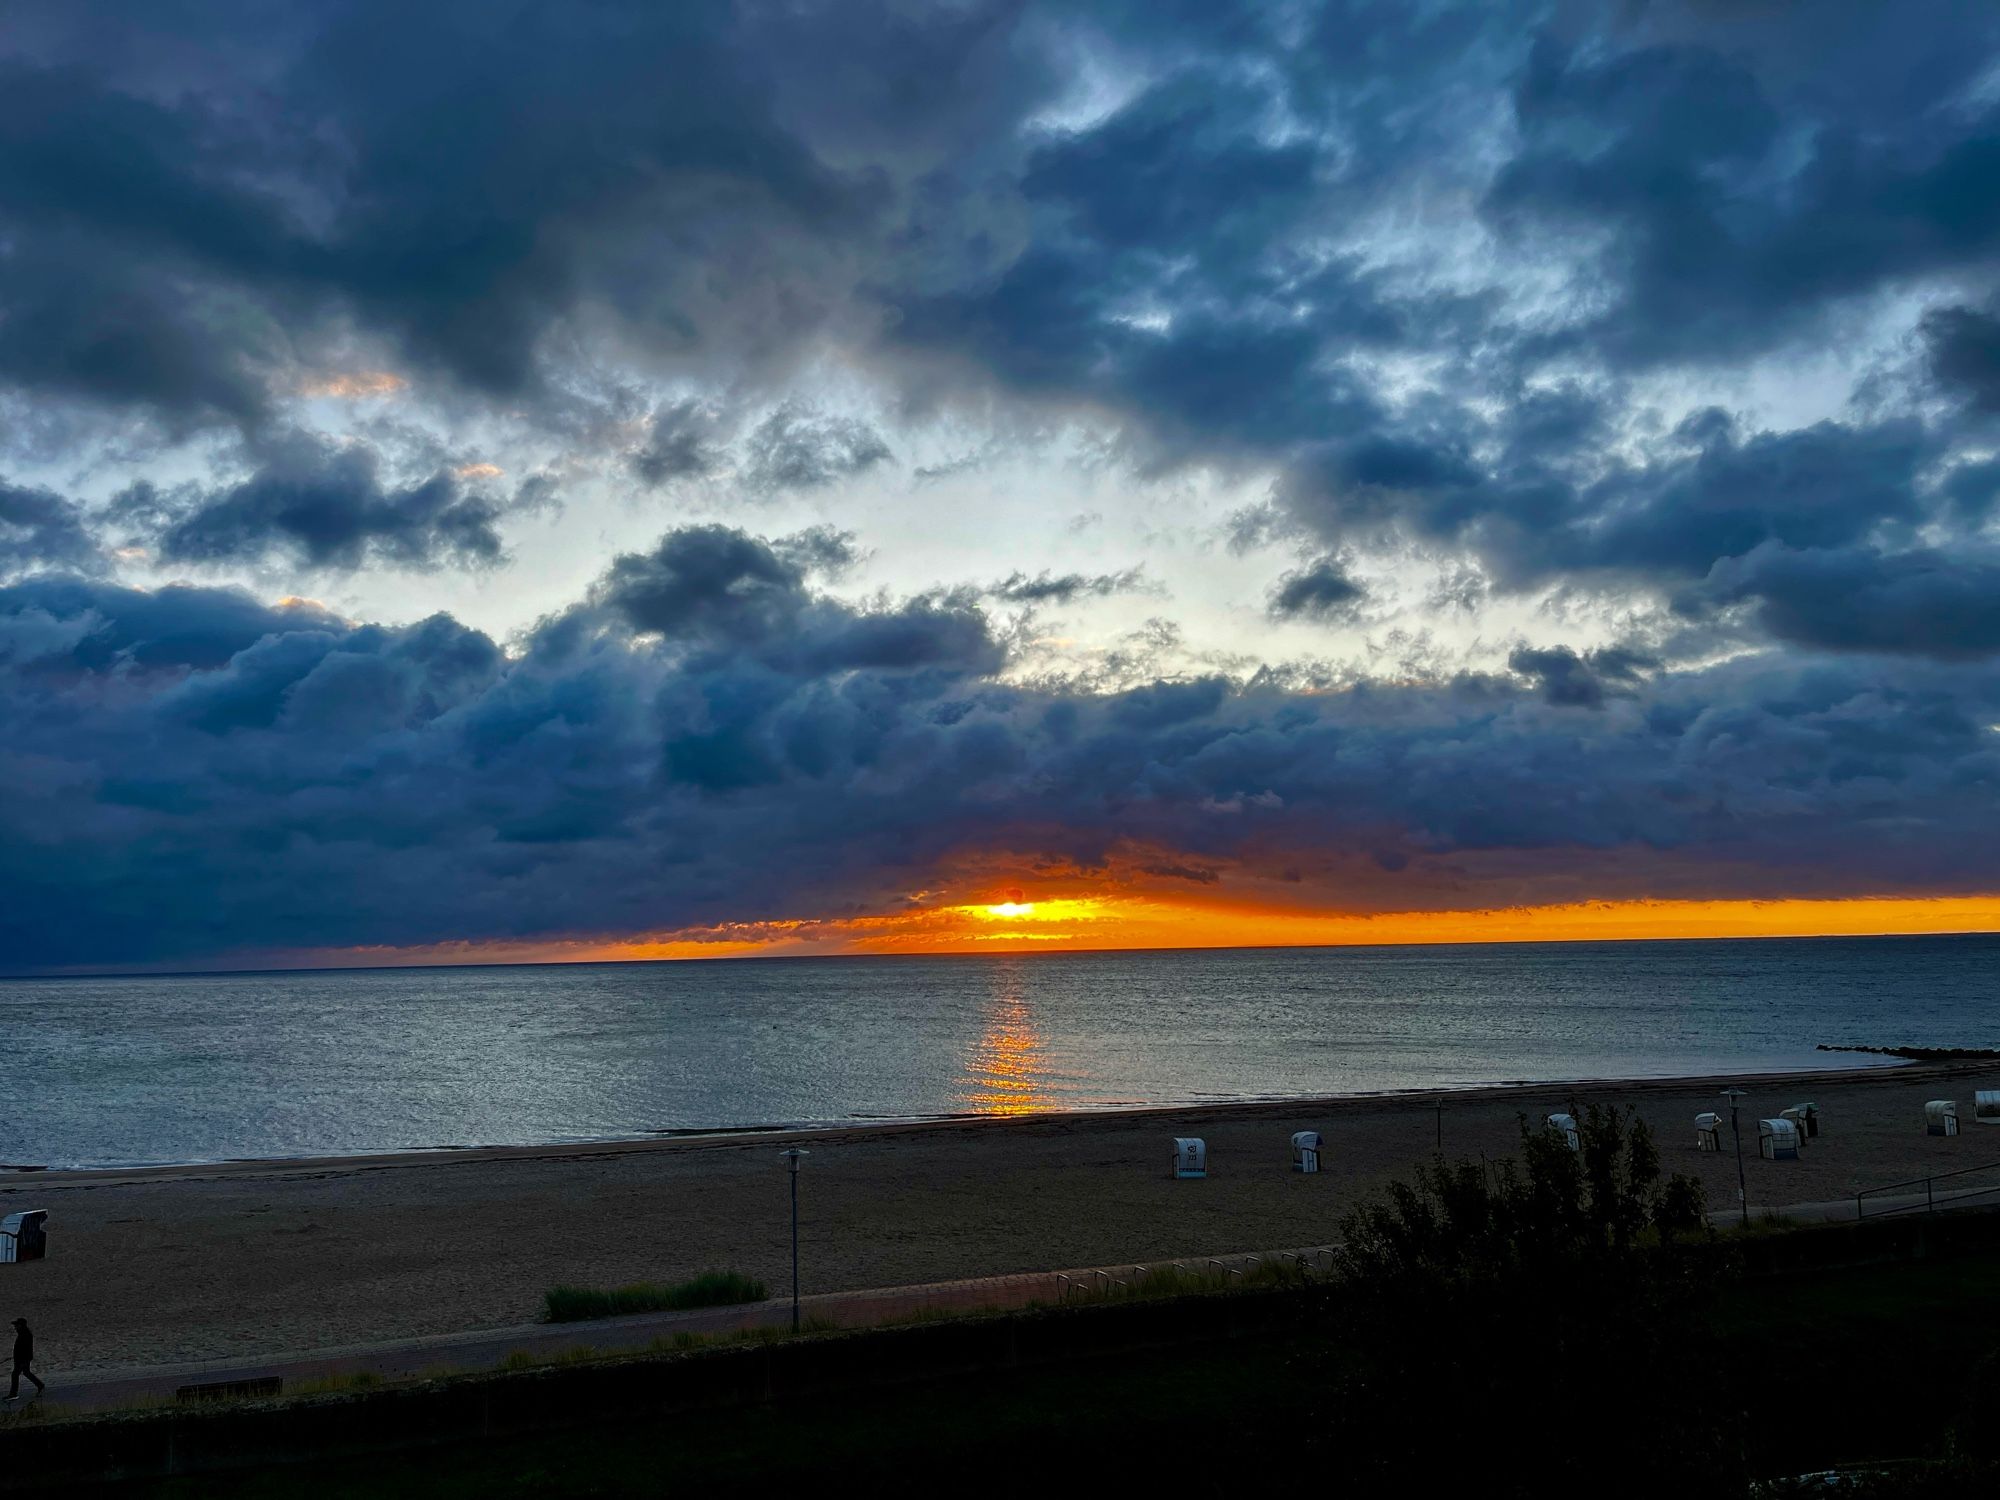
point(506, 479)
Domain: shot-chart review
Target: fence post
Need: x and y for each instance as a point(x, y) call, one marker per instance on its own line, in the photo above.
point(1930, 1198)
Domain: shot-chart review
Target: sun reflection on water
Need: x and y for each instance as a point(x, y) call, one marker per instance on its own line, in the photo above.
point(1007, 1071)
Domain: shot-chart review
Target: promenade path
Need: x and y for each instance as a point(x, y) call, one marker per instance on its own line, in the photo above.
point(490, 1348)
point(486, 1349)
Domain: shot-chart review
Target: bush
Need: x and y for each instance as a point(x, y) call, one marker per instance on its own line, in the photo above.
point(1504, 1327)
point(570, 1304)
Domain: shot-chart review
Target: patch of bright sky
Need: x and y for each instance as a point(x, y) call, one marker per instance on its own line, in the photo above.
point(967, 503)
point(1100, 83)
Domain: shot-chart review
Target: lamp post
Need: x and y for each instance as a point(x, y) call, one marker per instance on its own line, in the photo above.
point(1742, 1192)
point(792, 1156)
point(1438, 1105)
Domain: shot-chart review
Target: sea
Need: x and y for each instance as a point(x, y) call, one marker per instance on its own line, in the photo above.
point(131, 1070)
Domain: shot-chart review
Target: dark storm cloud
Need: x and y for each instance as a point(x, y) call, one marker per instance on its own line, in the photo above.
point(39, 528)
point(1570, 680)
point(1713, 197)
point(1683, 522)
point(452, 184)
point(718, 592)
point(1429, 268)
point(706, 581)
point(708, 738)
point(1965, 352)
point(322, 506)
point(1321, 591)
point(134, 267)
point(1922, 602)
point(176, 627)
point(1743, 172)
point(1213, 264)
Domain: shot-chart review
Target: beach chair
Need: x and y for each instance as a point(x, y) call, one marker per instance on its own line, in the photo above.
point(1565, 1126)
point(1778, 1140)
point(1708, 1132)
point(1941, 1117)
point(1986, 1107)
point(22, 1236)
point(1190, 1156)
point(1800, 1122)
point(1305, 1150)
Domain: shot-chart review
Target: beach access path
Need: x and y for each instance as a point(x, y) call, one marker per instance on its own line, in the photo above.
point(242, 1262)
point(489, 1349)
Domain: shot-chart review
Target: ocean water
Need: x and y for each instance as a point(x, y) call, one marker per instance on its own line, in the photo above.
point(119, 1071)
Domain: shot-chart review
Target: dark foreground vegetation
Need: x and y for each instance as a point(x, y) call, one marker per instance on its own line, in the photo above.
point(1491, 1329)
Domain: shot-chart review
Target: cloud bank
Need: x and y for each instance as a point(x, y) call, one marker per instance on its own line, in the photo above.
point(708, 736)
point(1609, 396)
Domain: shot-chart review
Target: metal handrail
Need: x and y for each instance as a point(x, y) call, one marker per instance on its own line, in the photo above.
point(1929, 1185)
point(1932, 1203)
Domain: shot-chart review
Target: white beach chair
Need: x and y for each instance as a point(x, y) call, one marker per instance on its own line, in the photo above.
point(1986, 1107)
point(1565, 1125)
point(22, 1236)
point(1778, 1140)
point(1190, 1156)
point(1708, 1132)
point(1306, 1146)
point(1941, 1117)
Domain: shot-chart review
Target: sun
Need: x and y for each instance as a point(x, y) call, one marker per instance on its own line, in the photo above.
point(1016, 905)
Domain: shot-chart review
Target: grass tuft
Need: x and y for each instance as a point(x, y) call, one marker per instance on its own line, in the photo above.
point(334, 1385)
point(571, 1304)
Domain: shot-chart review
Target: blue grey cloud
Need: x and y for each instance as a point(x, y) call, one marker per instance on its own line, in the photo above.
point(1917, 602)
point(717, 192)
point(39, 528)
point(796, 448)
point(681, 443)
point(321, 506)
point(1426, 270)
point(707, 737)
point(1320, 591)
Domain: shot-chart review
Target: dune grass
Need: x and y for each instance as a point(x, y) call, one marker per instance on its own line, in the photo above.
point(572, 1304)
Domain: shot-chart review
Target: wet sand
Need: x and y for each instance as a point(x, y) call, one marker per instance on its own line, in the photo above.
point(253, 1258)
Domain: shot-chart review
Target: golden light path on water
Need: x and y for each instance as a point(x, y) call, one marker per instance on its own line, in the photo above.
point(1007, 1071)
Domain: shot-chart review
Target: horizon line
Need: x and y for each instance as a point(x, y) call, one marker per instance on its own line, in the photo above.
point(1018, 952)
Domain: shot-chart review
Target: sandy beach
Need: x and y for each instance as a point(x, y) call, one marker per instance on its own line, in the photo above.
point(256, 1258)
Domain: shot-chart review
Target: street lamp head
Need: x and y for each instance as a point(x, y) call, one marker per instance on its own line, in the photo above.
point(792, 1155)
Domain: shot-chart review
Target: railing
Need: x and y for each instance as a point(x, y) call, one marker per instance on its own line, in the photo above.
point(1942, 1191)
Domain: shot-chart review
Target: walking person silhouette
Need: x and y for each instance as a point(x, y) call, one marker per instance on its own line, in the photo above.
point(24, 1355)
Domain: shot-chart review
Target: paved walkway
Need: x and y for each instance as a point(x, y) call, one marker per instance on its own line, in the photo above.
point(485, 1349)
point(1942, 1197)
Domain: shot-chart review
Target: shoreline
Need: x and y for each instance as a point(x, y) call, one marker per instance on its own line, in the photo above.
point(669, 1139)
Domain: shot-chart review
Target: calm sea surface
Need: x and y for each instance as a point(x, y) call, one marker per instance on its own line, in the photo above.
point(197, 1068)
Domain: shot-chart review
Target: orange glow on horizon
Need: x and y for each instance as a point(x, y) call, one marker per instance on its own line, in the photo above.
point(1125, 921)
